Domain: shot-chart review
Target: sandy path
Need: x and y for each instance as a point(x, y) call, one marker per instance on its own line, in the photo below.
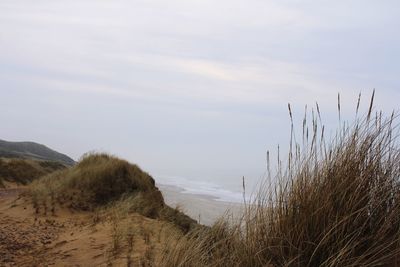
point(23, 238)
point(26, 238)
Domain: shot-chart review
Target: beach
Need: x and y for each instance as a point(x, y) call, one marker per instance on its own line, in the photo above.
point(206, 209)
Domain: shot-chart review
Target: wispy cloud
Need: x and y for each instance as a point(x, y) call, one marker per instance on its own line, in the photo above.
point(192, 76)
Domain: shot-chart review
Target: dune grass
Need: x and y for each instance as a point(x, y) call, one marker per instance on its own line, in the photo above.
point(335, 203)
point(106, 184)
point(23, 171)
point(96, 180)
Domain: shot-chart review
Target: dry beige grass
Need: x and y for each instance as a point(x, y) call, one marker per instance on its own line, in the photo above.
point(335, 204)
point(97, 180)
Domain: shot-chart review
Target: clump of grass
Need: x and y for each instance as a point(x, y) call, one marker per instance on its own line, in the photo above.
point(117, 234)
point(97, 180)
point(335, 204)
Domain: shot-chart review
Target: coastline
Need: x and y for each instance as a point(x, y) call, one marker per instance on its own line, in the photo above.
point(205, 209)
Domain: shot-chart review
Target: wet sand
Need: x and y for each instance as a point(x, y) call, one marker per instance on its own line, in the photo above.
point(203, 208)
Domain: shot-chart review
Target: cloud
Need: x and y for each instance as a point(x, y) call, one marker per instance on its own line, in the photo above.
point(217, 71)
point(268, 81)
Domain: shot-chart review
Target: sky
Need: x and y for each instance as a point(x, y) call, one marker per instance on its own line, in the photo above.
point(189, 88)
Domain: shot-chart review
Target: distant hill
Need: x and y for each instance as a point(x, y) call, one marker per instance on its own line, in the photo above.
point(31, 150)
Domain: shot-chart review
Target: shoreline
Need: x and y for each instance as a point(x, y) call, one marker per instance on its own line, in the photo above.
point(205, 209)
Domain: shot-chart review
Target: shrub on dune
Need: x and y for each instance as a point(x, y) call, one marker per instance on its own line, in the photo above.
point(97, 180)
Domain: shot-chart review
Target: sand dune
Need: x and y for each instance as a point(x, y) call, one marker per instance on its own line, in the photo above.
point(72, 238)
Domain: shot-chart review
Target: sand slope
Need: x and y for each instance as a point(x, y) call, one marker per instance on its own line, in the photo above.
point(66, 238)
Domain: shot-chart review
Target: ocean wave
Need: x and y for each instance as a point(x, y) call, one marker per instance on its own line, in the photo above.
point(196, 187)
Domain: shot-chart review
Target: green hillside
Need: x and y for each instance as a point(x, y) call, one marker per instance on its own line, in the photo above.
point(31, 150)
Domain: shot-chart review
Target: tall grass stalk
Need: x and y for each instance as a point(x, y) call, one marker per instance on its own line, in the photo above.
point(335, 203)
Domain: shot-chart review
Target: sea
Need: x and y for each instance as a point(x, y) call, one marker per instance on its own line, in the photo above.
point(232, 192)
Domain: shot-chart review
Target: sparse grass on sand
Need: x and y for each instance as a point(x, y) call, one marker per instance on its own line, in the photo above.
point(334, 204)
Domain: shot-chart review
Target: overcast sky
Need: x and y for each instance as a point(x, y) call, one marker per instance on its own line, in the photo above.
point(188, 88)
